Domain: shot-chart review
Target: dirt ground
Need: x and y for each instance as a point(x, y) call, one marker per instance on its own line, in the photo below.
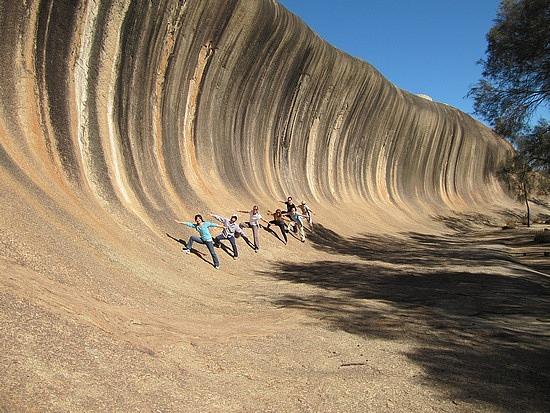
point(455, 321)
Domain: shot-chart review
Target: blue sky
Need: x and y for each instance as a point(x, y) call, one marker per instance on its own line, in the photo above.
point(422, 46)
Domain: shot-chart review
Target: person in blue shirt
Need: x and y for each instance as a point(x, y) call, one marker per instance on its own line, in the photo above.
point(205, 238)
point(297, 222)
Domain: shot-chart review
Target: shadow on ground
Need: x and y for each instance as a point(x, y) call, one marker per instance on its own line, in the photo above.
point(479, 321)
point(193, 251)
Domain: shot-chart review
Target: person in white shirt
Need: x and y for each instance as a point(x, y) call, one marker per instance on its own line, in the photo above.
point(230, 230)
point(254, 224)
point(307, 213)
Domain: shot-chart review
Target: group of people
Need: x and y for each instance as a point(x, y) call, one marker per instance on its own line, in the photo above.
point(286, 221)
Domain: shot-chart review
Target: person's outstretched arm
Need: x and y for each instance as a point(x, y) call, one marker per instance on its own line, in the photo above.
point(212, 225)
point(219, 218)
point(186, 223)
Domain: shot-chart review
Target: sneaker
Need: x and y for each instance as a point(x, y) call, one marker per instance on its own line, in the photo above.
point(187, 251)
point(217, 267)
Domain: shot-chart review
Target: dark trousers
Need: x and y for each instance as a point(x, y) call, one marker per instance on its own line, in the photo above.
point(231, 239)
point(209, 245)
point(281, 225)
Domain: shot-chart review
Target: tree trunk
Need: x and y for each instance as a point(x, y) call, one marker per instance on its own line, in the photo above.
point(526, 204)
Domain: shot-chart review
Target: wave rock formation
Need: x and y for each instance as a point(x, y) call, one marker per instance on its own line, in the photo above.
point(146, 106)
point(118, 116)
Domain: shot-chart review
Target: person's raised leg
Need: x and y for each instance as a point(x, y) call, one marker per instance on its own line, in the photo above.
point(218, 239)
point(192, 239)
point(243, 235)
point(210, 246)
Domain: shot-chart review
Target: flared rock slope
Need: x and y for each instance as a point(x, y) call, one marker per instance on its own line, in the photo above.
point(158, 108)
point(118, 117)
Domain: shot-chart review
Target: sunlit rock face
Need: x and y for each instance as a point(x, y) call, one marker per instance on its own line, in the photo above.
point(145, 110)
point(119, 116)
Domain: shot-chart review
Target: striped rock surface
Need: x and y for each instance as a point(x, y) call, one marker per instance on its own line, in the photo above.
point(119, 116)
point(155, 108)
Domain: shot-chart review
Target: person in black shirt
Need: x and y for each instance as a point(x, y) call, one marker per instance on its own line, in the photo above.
point(289, 204)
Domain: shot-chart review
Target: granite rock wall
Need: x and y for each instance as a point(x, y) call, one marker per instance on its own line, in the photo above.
point(155, 108)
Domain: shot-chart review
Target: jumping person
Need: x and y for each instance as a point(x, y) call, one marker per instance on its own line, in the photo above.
point(254, 224)
point(307, 213)
point(278, 219)
point(205, 237)
point(298, 223)
point(230, 230)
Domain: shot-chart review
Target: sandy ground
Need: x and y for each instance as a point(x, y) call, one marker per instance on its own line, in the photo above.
point(455, 321)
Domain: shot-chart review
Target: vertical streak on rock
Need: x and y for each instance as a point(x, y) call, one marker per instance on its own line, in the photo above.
point(92, 74)
point(44, 13)
point(81, 73)
point(188, 147)
point(198, 148)
point(110, 138)
point(55, 33)
point(19, 111)
point(172, 32)
point(332, 165)
point(113, 151)
point(132, 104)
point(311, 159)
